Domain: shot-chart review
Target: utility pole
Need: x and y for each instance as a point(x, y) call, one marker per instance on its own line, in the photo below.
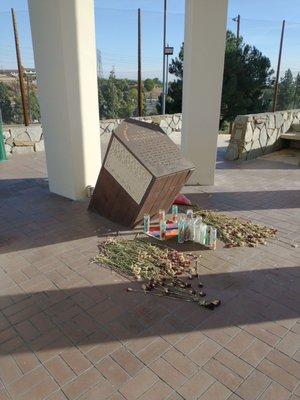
point(20, 70)
point(140, 102)
point(164, 60)
point(28, 95)
point(168, 52)
point(278, 68)
point(238, 24)
point(167, 76)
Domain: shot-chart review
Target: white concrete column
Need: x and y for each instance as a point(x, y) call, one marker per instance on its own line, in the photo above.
point(204, 47)
point(63, 34)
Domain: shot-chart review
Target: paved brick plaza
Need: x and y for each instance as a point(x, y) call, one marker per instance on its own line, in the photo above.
point(69, 330)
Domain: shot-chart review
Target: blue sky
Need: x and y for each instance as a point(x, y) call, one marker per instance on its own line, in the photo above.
point(116, 32)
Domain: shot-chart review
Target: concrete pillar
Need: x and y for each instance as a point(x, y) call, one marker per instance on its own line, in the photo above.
point(63, 34)
point(204, 47)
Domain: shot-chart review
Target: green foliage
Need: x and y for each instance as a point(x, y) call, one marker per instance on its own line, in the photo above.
point(149, 85)
point(174, 97)
point(247, 73)
point(118, 97)
point(267, 98)
point(34, 107)
point(157, 82)
point(11, 103)
point(176, 66)
point(286, 92)
point(5, 104)
point(297, 92)
point(112, 97)
point(18, 110)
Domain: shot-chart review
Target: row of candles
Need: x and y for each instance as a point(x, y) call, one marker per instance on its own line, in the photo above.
point(190, 228)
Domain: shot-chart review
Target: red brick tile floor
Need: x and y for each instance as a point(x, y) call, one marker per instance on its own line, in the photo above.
point(69, 330)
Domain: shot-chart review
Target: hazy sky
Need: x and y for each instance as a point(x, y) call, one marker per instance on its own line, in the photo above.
point(116, 26)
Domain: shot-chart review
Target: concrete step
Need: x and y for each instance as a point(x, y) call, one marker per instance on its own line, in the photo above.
point(290, 135)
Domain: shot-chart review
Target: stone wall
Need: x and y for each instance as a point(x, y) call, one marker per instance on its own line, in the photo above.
point(21, 139)
point(256, 134)
point(169, 123)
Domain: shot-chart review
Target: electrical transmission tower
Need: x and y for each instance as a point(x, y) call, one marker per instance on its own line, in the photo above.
point(99, 64)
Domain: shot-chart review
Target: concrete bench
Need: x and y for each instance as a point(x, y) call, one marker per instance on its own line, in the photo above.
point(293, 136)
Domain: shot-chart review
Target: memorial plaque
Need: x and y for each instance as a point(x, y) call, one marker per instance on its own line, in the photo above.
point(127, 171)
point(143, 171)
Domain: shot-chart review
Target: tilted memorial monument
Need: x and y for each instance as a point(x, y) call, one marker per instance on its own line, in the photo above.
point(142, 172)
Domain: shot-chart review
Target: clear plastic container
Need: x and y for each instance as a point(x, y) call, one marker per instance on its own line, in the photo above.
point(189, 213)
point(213, 238)
point(203, 233)
point(162, 229)
point(174, 213)
point(146, 223)
point(181, 230)
point(197, 225)
point(161, 214)
point(191, 226)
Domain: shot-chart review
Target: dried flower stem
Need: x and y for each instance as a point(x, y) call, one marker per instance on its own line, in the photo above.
point(236, 232)
point(160, 268)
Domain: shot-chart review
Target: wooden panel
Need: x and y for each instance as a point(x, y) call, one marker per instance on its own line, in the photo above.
point(152, 203)
point(162, 194)
point(125, 211)
point(173, 187)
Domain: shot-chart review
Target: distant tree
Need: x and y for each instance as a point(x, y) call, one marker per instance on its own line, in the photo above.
point(5, 104)
point(149, 85)
point(112, 95)
point(144, 102)
point(247, 73)
point(18, 110)
point(267, 98)
point(101, 99)
point(118, 97)
point(128, 100)
point(296, 103)
point(286, 92)
point(176, 65)
point(174, 97)
point(11, 103)
point(157, 81)
point(34, 106)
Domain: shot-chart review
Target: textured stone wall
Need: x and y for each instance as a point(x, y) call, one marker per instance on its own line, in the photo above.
point(256, 134)
point(169, 123)
point(21, 139)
